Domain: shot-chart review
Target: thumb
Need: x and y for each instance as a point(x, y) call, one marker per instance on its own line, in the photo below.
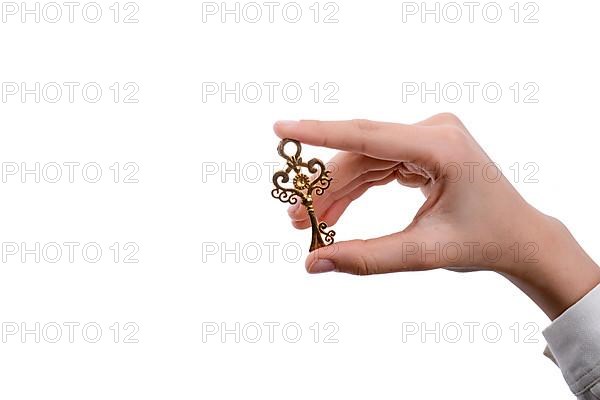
point(409, 250)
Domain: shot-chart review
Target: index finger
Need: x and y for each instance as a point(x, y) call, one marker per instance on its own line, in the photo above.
point(382, 140)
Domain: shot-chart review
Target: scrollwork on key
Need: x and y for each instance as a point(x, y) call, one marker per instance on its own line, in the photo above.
point(315, 181)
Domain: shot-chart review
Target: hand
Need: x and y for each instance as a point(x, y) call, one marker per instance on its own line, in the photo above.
point(472, 219)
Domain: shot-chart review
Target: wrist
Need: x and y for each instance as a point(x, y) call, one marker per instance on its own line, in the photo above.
point(562, 273)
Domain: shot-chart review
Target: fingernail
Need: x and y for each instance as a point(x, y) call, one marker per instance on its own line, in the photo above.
point(293, 209)
point(321, 266)
point(286, 123)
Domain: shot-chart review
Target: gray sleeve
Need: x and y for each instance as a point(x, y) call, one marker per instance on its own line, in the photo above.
point(574, 345)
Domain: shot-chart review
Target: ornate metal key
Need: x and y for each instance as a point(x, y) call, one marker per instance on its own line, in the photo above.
point(303, 188)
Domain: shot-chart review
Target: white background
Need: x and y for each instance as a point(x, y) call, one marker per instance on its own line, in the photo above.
point(175, 212)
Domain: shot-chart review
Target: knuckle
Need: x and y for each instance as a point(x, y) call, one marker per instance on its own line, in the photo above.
point(363, 263)
point(453, 141)
point(364, 125)
point(452, 136)
point(364, 129)
point(449, 118)
point(455, 134)
point(361, 129)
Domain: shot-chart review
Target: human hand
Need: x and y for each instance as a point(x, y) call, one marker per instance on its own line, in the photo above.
point(472, 219)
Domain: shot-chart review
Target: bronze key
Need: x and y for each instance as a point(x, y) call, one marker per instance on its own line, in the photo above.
point(303, 189)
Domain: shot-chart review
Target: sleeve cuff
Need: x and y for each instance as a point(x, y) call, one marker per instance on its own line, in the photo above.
point(574, 342)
